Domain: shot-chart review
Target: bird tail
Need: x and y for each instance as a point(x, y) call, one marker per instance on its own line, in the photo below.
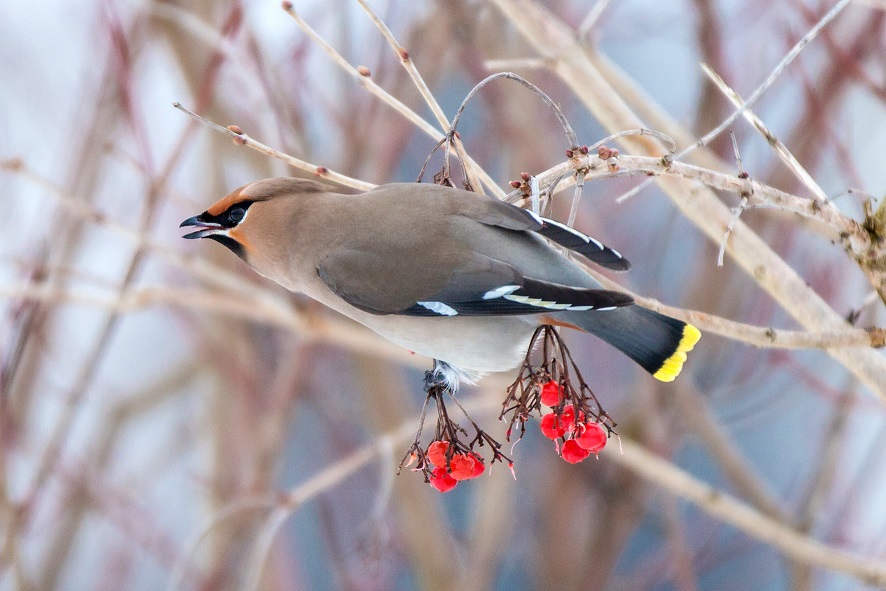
point(657, 342)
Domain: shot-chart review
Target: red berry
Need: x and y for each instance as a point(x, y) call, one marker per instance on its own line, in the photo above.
point(568, 417)
point(437, 452)
point(442, 480)
point(553, 426)
point(593, 437)
point(479, 467)
point(461, 466)
point(572, 453)
point(550, 394)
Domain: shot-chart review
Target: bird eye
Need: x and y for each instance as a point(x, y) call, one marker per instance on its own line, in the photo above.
point(237, 214)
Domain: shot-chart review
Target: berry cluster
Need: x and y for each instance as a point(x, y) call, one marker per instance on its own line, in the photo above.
point(575, 420)
point(580, 437)
point(450, 466)
point(576, 417)
point(450, 458)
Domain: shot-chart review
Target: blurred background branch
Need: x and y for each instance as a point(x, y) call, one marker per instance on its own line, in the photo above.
point(159, 403)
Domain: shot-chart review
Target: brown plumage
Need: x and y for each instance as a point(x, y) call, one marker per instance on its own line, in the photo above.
point(453, 275)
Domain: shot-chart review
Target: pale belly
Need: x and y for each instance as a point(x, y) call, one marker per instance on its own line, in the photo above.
point(479, 345)
point(476, 344)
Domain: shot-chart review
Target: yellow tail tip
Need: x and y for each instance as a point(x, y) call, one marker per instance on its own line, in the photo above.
point(672, 366)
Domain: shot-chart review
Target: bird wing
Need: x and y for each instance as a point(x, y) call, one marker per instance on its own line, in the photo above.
point(492, 212)
point(478, 285)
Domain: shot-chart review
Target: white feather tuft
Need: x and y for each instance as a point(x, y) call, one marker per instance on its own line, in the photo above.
point(452, 376)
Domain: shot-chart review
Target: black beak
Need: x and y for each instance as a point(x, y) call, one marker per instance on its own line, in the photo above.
point(205, 228)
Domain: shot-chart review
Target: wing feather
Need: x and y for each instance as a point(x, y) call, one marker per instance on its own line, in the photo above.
point(479, 287)
point(492, 212)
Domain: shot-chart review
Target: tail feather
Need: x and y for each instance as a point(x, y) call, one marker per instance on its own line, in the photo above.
point(657, 342)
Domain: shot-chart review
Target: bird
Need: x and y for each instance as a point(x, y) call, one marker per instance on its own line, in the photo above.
point(460, 277)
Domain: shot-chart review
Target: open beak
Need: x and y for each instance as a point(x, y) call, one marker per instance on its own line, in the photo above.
point(204, 228)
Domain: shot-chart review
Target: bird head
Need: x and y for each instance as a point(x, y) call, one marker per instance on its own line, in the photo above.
point(255, 220)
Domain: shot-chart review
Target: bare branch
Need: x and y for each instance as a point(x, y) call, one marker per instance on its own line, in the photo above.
point(567, 128)
point(659, 471)
point(728, 509)
point(789, 57)
point(737, 210)
point(759, 336)
point(418, 81)
point(780, 149)
point(370, 85)
point(840, 227)
point(515, 64)
point(242, 139)
point(758, 92)
point(257, 309)
point(591, 19)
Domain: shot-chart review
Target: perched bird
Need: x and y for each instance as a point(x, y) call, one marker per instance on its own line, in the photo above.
point(460, 277)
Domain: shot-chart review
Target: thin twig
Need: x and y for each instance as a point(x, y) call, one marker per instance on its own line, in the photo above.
point(576, 197)
point(672, 145)
point(789, 57)
point(739, 209)
point(758, 92)
point(591, 19)
point(370, 85)
point(780, 149)
point(243, 139)
point(736, 213)
point(419, 82)
point(530, 63)
point(408, 65)
point(535, 195)
point(564, 123)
